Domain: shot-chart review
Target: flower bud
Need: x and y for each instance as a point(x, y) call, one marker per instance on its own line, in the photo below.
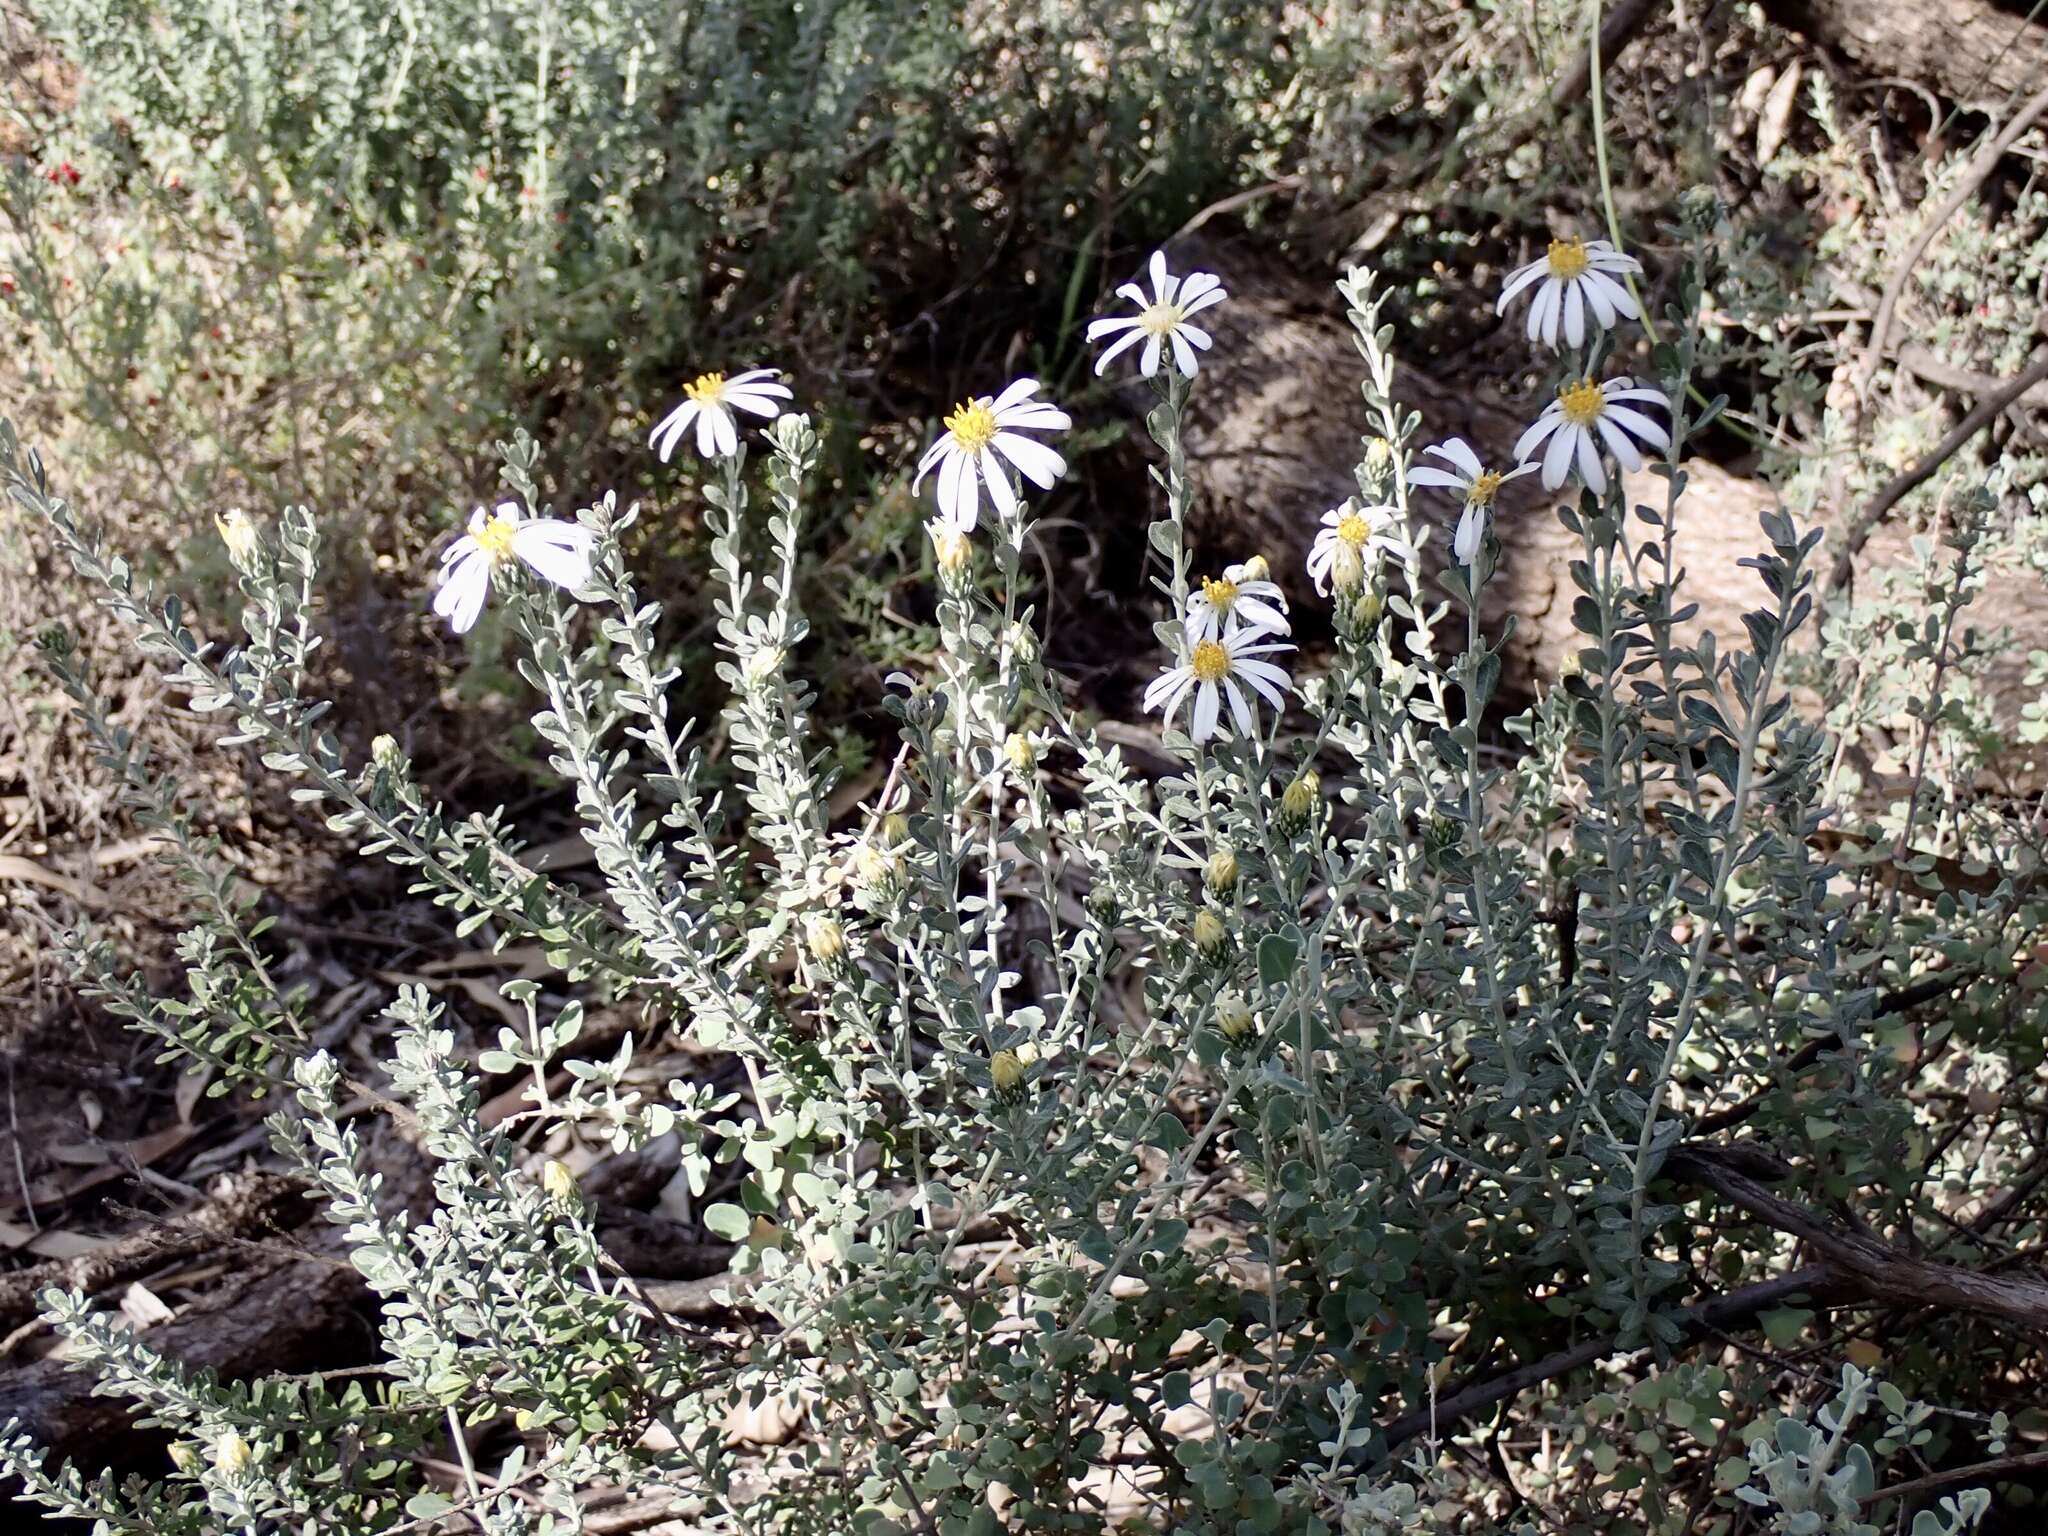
point(1379, 453)
point(385, 754)
point(1571, 667)
point(240, 534)
point(1019, 750)
point(1209, 935)
point(1006, 1073)
point(184, 1457)
point(1347, 568)
point(1256, 569)
point(875, 869)
point(1221, 874)
point(232, 1457)
point(893, 831)
point(1233, 1018)
point(949, 548)
point(557, 1182)
point(1023, 643)
point(1298, 803)
point(827, 941)
point(1365, 613)
point(762, 665)
point(1444, 832)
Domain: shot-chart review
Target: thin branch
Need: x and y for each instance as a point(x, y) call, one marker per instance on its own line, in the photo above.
point(1983, 1471)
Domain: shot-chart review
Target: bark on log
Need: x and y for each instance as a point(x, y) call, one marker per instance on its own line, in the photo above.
point(1274, 430)
point(1975, 52)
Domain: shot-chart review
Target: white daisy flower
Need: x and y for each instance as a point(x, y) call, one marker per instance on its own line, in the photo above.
point(1472, 480)
point(1349, 533)
point(984, 434)
point(1214, 670)
point(1582, 418)
point(1243, 597)
point(1161, 319)
point(550, 547)
point(1575, 276)
point(709, 401)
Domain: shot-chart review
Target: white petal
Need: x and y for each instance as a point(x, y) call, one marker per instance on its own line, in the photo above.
point(461, 549)
point(1538, 430)
point(1183, 354)
point(1422, 474)
point(1591, 470)
point(1465, 543)
point(1002, 496)
point(558, 550)
point(1018, 391)
point(1198, 285)
point(1543, 314)
point(1624, 451)
point(1036, 462)
point(1161, 292)
point(1602, 305)
point(1616, 294)
point(670, 430)
point(1240, 711)
point(1574, 316)
point(1190, 306)
point(933, 456)
point(728, 433)
point(462, 593)
point(1557, 458)
point(754, 402)
point(1194, 335)
point(1639, 424)
point(953, 473)
point(1039, 416)
point(1206, 705)
point(1148, 361)
point(1097, 329)
point(1130, 338)
point(1519, 279)
point(1135, 294)
point(707, 431)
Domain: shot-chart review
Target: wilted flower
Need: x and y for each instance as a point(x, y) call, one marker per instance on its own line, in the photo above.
point(1215, 669)
point(826, 940)
point(1472, 480)
point(1586, 415)
point(1360, 531)
point(1162, 319)
point(709, 400)
point(232, 1457)
point(557, 1182)
point(983, 437)
point(549, 546)
point(1243, 597)
point(1574, 276)
point(239, 532)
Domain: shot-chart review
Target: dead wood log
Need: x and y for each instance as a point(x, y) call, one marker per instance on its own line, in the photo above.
point(1973, 51)
point(1274, 431)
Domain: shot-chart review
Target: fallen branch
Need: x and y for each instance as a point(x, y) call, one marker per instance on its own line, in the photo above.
point(1878, 1271)
point(1987, 411)
point(1983, 1471)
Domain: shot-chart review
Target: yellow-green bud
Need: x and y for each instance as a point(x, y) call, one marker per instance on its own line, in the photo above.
point(1024, 643)
point(232, 1457)
point(1233, 1018)
point(950, 548)
point(762, 665)
point(184, 1457)
point(1570, 667)
point(1347, 568)
point(1022, 754)
point(1378, 453)
point(1221, 874)
point(1365, 613)
point(1006, 1073)
point(893, 830)
point(240, 534)
point(385, 754)
point(557, 1182)
point(1256, 569)
point(827, 940)
point(1298, 802)
point(1209, 934)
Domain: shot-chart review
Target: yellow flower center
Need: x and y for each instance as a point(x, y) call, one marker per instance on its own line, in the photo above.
point(705, 388)
point(1210, 662)
point(973, 426)
point(495, 537)
point(1221, 593)
point(1160, 319)
point(1483, 489)
point(1354, 530)
point(1582, 402)
point(1568, 258)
